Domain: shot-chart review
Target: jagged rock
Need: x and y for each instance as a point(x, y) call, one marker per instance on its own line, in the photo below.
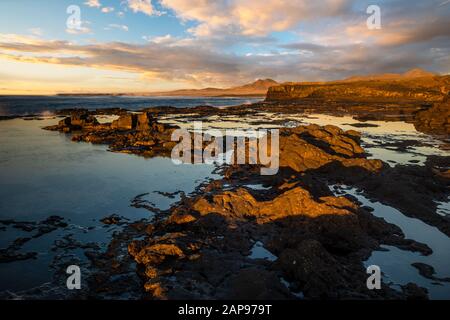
point(414, 292)
point(435, 120)
point(258, 284)
point(313, 269)
point(154, 254)
point(312, 147)
point(80, 120)
point(112, 219)
point(144, 121)
point(125, 122)
point(297, 201)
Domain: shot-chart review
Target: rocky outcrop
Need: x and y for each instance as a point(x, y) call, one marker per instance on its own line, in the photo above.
point(297, 201)
point(201, 248)
point(12, 252)
point(76, 122)
point(131, 121)
point(427, 89)
point(125, 122)
point(312, 147)
point(435, 120)
point(130, 133)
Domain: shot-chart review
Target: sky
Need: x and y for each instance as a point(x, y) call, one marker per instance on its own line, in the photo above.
point(70, 46)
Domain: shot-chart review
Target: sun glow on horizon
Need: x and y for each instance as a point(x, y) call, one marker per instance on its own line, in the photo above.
point(38, 78)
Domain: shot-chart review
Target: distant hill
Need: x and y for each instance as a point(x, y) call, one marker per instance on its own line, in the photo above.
point(257, 88)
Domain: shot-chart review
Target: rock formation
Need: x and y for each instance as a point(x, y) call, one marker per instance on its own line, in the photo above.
point(201, 247)
point(435, 120)
point(427, 89)
point(76, 122)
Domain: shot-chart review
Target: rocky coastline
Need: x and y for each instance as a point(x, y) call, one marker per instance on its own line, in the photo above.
point(201, 248)
point(314, 241)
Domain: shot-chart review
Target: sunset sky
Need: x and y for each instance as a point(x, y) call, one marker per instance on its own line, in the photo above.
point(153, 45)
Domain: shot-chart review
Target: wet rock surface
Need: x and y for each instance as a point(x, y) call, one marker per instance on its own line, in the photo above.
point(38, 229)
point(428, 272)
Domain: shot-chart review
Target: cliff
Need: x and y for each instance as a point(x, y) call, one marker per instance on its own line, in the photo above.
point(435, 120)
point(421, 89)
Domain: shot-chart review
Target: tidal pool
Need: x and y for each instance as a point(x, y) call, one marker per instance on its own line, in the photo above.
point(44, 173)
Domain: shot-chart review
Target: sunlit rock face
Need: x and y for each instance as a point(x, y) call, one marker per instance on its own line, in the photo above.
point(425, 89)
point(435, 120)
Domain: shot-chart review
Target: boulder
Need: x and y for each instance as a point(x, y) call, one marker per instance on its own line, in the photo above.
point(144, 121)
point(77, 121)
point(311, 147)
point(125, 122)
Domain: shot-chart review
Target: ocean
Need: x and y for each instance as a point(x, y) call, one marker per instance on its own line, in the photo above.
point(46, 105)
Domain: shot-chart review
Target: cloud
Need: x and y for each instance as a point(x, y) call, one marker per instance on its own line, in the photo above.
point(399, 32)
point(82, 29)
point(180, 60)
point(167, 39)
point(117, 26)
point(144, 6)
point(36, 31)
point(93, 3)
point(231, 42)
point(249, 17)
point(107, 9)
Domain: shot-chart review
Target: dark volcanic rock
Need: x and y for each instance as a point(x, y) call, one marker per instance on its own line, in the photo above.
point(414, 292)
point(11, 253)
point(428, 271)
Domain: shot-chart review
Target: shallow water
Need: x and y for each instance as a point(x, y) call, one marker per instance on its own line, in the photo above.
point(259, 252)
point(443, 208)
point(396, 263)
point(372, 137)
point(44, 173)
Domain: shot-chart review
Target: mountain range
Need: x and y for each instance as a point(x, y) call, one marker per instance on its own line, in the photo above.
point(257, 88)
